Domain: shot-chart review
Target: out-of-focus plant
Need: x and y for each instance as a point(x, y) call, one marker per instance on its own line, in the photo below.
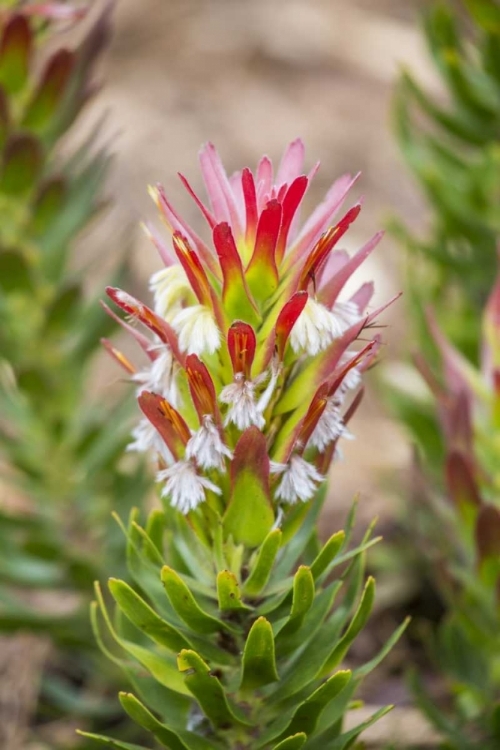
point(461, 534)
point(60, 449)
point(453, 150)
point(239, 618)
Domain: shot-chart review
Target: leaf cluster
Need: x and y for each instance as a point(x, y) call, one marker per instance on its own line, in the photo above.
point(230, 648)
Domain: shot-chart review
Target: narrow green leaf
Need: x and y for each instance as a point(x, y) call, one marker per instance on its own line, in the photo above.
point(307, 714)
point(186, 606)
point(208, 691)
point(229, 593)
point(64, 309)
point(346, 739)
point(48, 204)
point(297, 530)
point(368, 666)
point(55, 78)
point(145, 618)
point(356, 625)
point(327, 554)
point(161, 666)
point(262, 567)
point(312, 623)
point(303, 592)
point(140, 714)
point(302, 599)
point(15, 274)
point(259, 661)
point(110, 742)
point(15, 52)
point(173, 739)
point(155, 528)
point(292, 743)
point(22, 163)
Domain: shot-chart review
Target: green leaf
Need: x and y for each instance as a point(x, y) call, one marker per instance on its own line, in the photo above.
point(250, 514)
point(208, 691)
point(161, 666)
point(15, 273)
point(15, 52)
point(172, 739)
point(368, 666)
point(145, 618)
point(55, 78)
point(186, 606)
point(356, 625)
point(327, 554)
point(312, 623)
point(22, 164)
point(346, 739)
point(302, 600)
point(292, 743)
point(139, 713)
point(261, 569)
point(298, 528)
point(307, 714)
point(259, 661)
point(229, 593)
point(115, 744)
point(48, 204)
point(64, 309)
point(486, 13)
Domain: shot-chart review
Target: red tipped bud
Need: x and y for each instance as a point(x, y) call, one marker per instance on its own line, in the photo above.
point(241, 342)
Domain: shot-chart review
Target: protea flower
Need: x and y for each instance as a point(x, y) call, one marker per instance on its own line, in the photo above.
point(251, 371)
point(254, 349)
point(254, 352)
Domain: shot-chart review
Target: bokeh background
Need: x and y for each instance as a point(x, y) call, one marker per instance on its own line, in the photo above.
point(250, 77)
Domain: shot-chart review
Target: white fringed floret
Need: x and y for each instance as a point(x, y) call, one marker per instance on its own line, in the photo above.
point(146, 439)
point(206, 446)
point(298, 481)
point(171, 290)
point(316, 327)
point(197, 330)
point(184, 486)
point(330, 427)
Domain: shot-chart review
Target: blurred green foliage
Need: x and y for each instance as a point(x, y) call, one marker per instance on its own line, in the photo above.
point(453, 149)
point(62, 469)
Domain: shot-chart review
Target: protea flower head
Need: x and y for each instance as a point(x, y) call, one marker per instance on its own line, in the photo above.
point(254, 354)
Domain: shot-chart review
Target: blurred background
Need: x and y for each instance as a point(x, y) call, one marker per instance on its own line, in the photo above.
point(250, 77)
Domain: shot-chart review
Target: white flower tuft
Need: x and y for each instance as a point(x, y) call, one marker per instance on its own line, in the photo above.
point(197, 330)
point(206, 446)
point(299, 480)
point(347, 313)
point(330, 427)
point(161, 376)
point(185, 487)
point(148, 440)
point(171, 290)
point(353, 378)
point(243, 410)
point(316, 326)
